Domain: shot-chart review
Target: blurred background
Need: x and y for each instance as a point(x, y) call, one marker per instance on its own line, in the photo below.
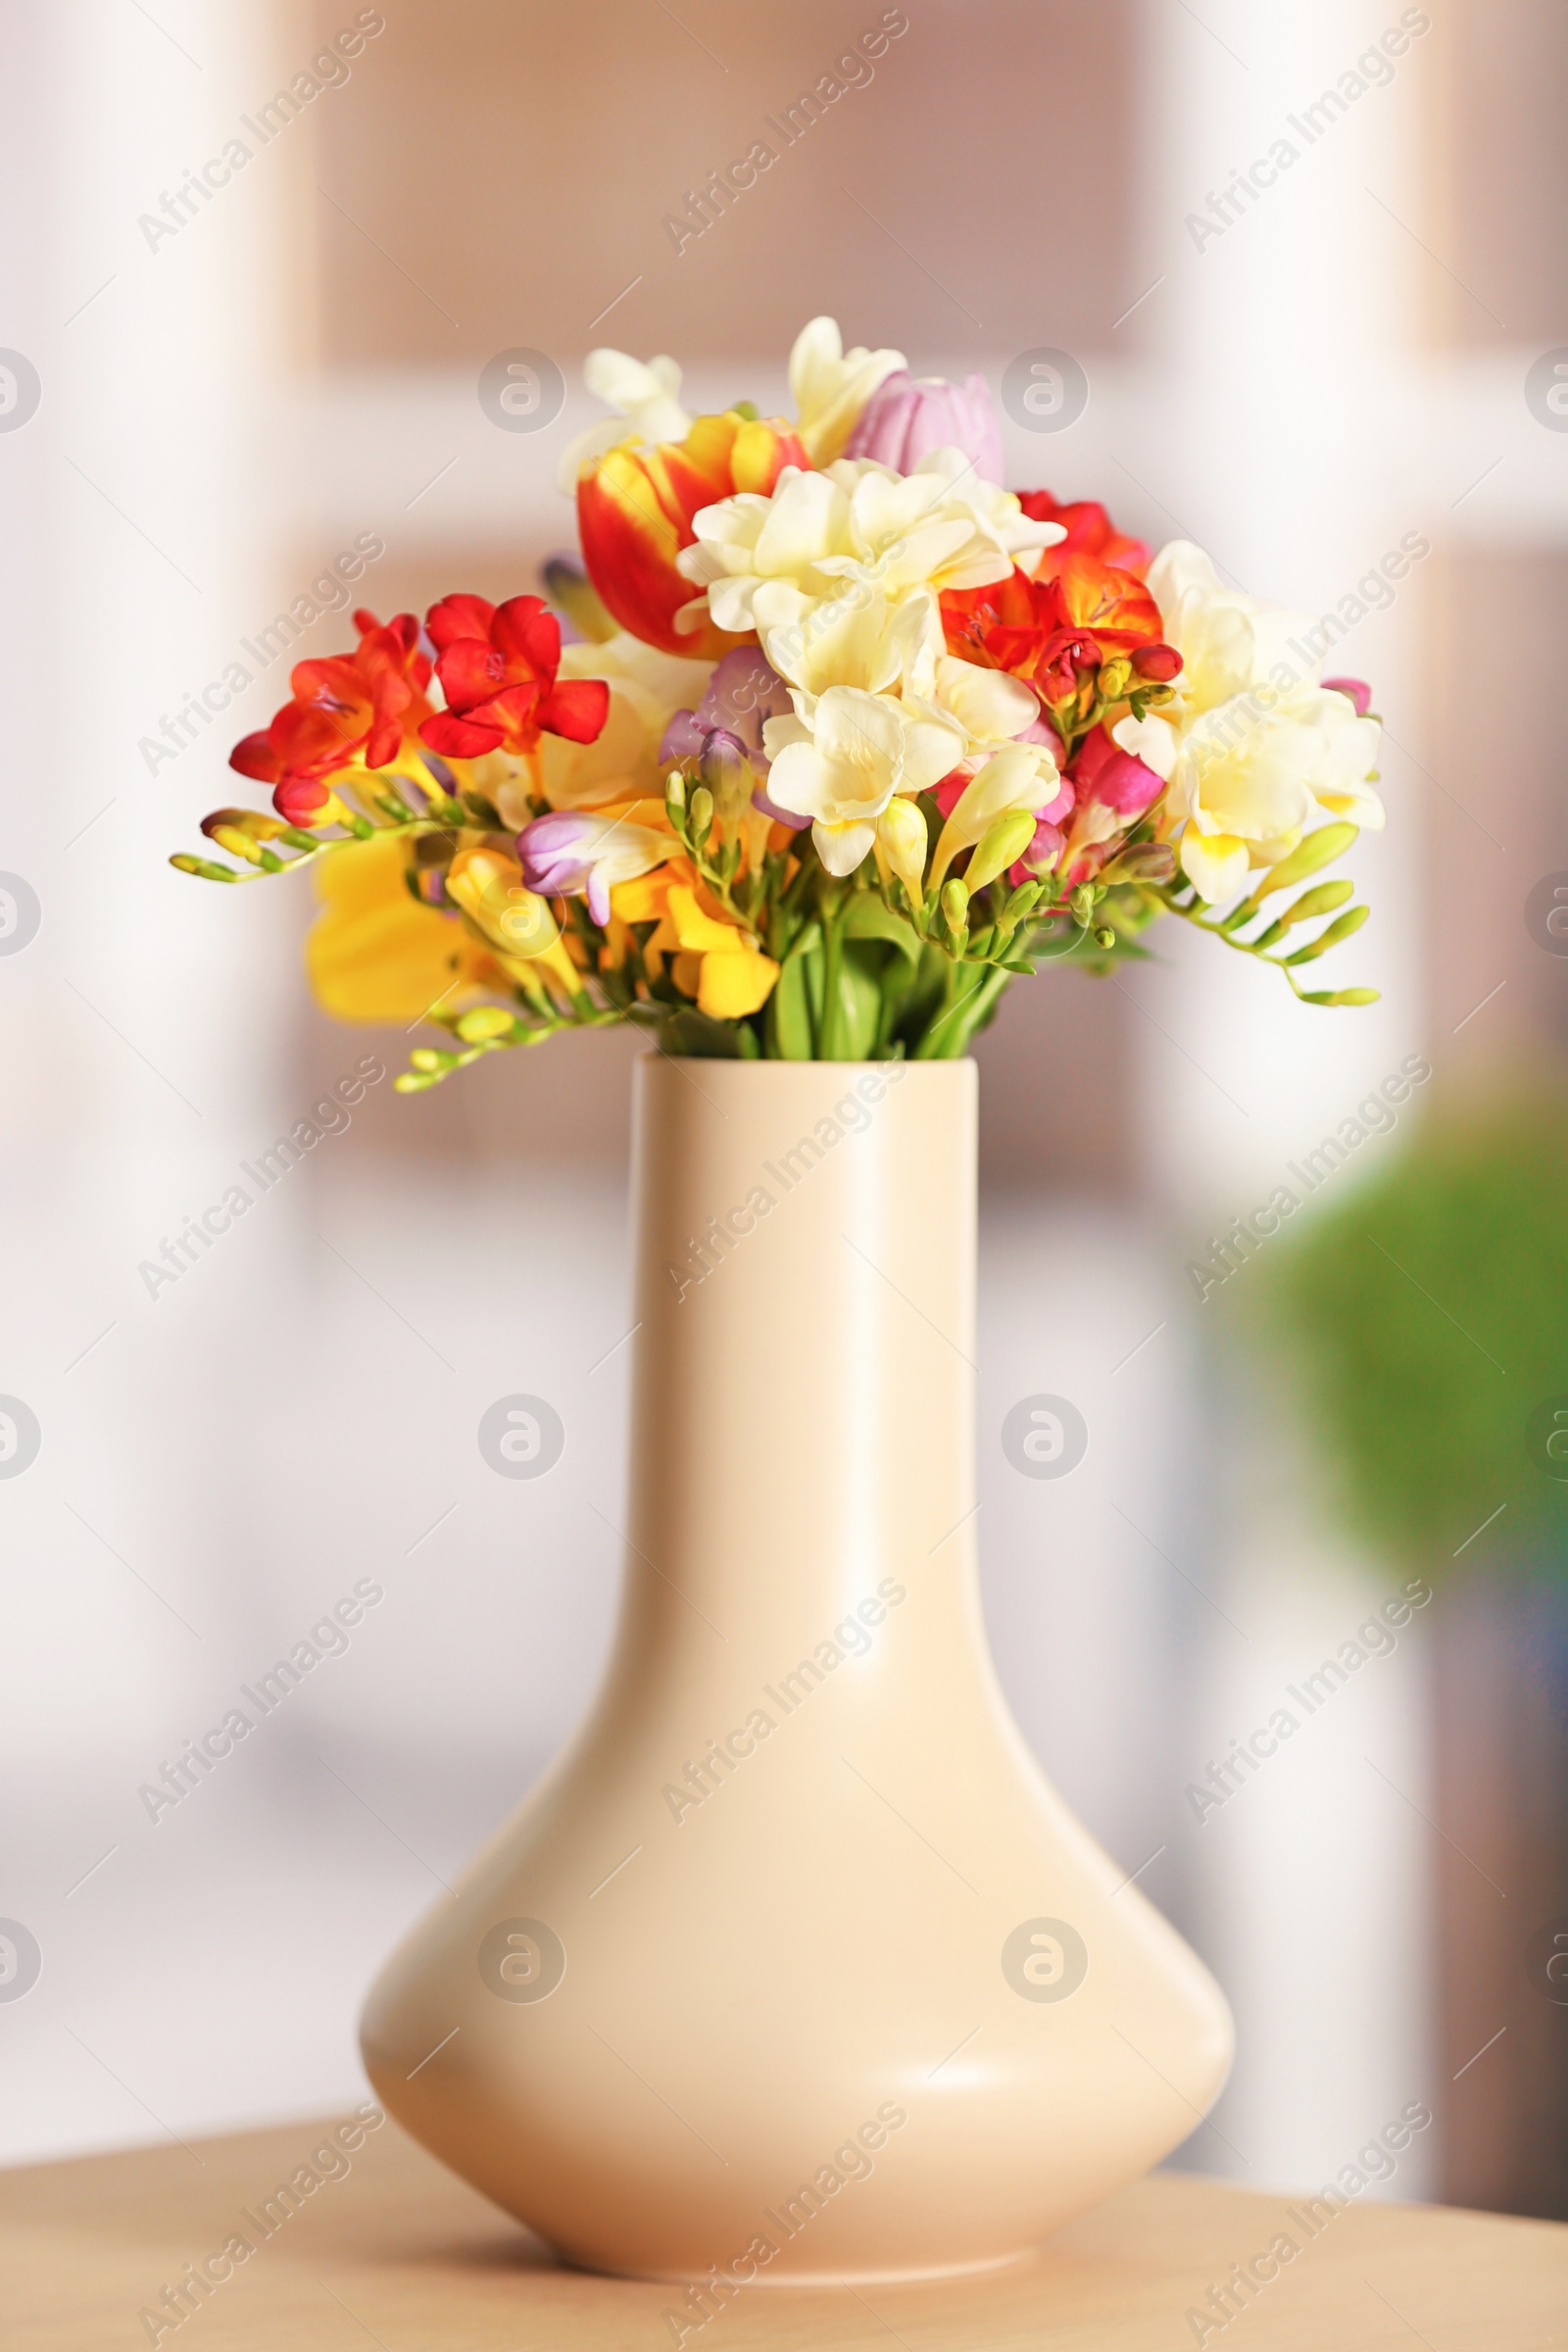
point(214, 387)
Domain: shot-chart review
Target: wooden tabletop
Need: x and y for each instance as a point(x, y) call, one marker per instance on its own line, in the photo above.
point(397, 2251)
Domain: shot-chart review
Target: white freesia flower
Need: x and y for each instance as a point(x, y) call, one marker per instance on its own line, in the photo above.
point(831, 386)
point(990, 707)
point(842, 759)
point(1250, 743)
point(1228, 641)
point(817, 641)
point(855, 531)
point(642, 393)
point(1245, 784)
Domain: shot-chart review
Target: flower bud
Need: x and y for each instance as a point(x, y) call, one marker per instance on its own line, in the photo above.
point(702, 813)
point(956, 904)
point(1002, 844)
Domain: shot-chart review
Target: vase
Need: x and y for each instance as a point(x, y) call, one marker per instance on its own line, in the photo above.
point(794, 1967)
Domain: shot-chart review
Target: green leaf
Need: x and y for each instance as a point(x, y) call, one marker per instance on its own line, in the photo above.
point(869, 917)
point(861, 970)
point(790, 1031)
point(689, 1032)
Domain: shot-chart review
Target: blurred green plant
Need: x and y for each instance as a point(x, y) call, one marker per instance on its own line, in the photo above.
point(1425, 1317)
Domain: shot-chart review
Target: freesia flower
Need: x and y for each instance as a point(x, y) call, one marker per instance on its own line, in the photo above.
point(348, 712)
point(498, 670)
point(1090, 532)
point(901, 843)
point(842, 765)
point(635, 509)
point(1021, 776)
point(1228, 641)
point(572, 853)
point(1055, 634)
point(725, 733)
point(1245, 779)
point(373, 953)
point(908, 417)
point(849, 535)
point(831, 386)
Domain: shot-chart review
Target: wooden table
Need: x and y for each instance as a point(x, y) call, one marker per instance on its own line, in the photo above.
point(397, 2252)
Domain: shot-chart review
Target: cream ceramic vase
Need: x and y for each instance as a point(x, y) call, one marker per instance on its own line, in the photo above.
point(794, 1967)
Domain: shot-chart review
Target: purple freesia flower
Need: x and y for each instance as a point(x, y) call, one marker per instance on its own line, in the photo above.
point(572, 853)
point(725, 730)
point(1357, 689)
point(908, 417)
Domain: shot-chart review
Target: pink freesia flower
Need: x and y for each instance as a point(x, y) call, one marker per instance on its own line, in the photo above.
point(908, 417)
point(1357, 690)
point(1117, 779)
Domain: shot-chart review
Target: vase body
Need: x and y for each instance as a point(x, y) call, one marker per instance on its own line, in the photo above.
point(794, 1967)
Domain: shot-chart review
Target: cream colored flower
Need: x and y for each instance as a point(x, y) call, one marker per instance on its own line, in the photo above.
point(642, 393)
point(831, 386)
point(1247, 776)
point(1228, 641)
point(989, 706)
point(854, 532)
point(842, 758)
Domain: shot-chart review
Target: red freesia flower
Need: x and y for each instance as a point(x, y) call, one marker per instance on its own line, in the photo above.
point(1090, 532)
point(497, 664)
point(634, 512)
point(349, 711)
point(1055, 634)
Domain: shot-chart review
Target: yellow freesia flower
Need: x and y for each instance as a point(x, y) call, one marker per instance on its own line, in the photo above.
point(374, 954)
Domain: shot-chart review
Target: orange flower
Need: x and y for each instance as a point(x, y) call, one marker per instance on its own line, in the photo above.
point(1090, 532)
point(634, 512)
point(349, 711)
point(1052, 633)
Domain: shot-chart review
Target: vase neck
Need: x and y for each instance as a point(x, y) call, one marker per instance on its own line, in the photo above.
point(804, 1379)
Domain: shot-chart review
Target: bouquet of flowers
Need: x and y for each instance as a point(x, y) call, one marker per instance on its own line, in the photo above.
point(824, 740)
